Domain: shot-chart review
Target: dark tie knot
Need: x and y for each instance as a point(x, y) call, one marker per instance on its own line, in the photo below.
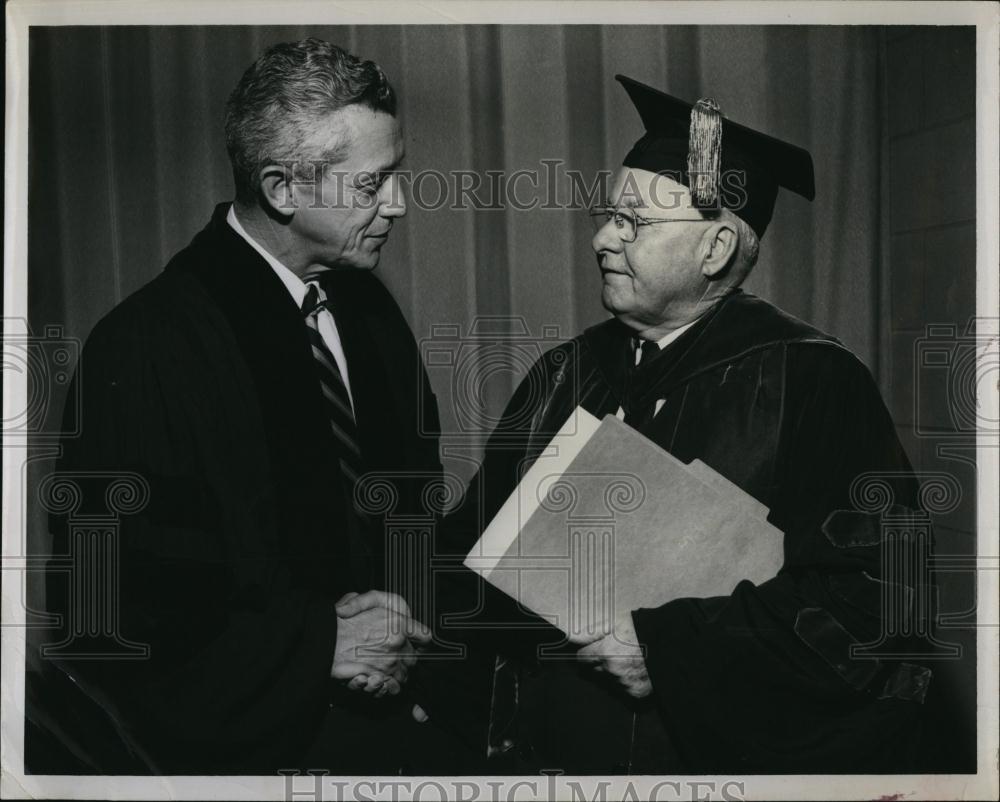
point(313, 302)
point(648, 350)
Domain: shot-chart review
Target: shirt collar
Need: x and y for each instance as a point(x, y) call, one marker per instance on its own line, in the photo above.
point(666, 339)
point(296, 287)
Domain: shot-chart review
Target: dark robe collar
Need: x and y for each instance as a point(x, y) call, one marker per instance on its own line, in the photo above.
point(271, 336)
point(736, 325)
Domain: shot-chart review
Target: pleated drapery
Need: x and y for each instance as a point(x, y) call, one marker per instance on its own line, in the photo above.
point(127, 161)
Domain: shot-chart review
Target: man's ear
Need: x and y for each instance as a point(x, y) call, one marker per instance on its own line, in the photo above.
point(277, 190)
point(719, 245)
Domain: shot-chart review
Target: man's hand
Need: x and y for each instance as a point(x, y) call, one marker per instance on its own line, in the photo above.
point(376, 642)
point(619, 655)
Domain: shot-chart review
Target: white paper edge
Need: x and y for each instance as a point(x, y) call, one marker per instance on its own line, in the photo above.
point(506, 524)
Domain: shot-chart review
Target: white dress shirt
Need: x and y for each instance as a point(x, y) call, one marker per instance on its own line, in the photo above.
point(297, 288)
point(663, 342)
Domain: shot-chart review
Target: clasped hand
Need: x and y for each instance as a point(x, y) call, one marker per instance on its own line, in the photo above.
point(618, 654)
point(377, 642)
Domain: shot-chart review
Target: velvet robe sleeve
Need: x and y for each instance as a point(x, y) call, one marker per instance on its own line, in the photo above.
point(240, 655)
point(762, 679)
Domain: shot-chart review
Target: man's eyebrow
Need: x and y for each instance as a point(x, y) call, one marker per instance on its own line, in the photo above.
point(379, 172)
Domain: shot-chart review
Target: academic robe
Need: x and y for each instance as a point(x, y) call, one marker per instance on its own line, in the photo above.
point(203, 383)
point(757, 681)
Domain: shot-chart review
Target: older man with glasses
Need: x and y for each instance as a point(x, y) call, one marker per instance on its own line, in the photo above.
point(762, 680)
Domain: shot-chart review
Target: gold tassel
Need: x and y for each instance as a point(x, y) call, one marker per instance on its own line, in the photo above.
point(705, 153)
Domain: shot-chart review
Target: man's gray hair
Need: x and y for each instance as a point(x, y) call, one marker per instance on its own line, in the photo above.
point(281, 97)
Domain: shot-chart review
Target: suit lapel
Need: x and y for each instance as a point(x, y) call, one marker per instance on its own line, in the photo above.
point(272, 341)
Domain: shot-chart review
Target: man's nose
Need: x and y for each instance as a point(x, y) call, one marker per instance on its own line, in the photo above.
point(393, 200)
point(607, 239)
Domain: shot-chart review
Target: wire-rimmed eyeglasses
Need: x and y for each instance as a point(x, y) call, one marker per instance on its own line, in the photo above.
point(627, 221)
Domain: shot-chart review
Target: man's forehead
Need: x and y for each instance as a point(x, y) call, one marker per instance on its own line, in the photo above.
point(359, 134)
point(640, 189)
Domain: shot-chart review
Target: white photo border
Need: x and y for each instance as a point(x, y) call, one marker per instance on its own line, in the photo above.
point(24, 13)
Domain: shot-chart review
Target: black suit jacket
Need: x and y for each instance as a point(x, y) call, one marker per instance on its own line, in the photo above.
point(203, 383)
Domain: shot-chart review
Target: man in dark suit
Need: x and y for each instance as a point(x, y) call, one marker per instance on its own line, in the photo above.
point(249, 386)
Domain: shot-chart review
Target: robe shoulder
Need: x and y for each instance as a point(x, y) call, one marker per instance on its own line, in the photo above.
point(158, 311)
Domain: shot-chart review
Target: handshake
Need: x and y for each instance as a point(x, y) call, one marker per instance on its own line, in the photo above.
point(377, 642)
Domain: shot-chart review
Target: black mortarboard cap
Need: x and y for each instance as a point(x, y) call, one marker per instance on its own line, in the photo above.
point(724, 164)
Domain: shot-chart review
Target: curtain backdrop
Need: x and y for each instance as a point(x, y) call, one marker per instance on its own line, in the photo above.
point(127, 161)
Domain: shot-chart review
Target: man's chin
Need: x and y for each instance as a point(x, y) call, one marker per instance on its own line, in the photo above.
point(370, 255)
point(611, 301)
point(362, 262)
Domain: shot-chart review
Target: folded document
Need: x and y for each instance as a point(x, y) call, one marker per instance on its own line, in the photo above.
point(605, 521)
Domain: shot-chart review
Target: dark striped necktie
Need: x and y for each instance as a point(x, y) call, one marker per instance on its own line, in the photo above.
point(336, 400)
point(639, 415)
